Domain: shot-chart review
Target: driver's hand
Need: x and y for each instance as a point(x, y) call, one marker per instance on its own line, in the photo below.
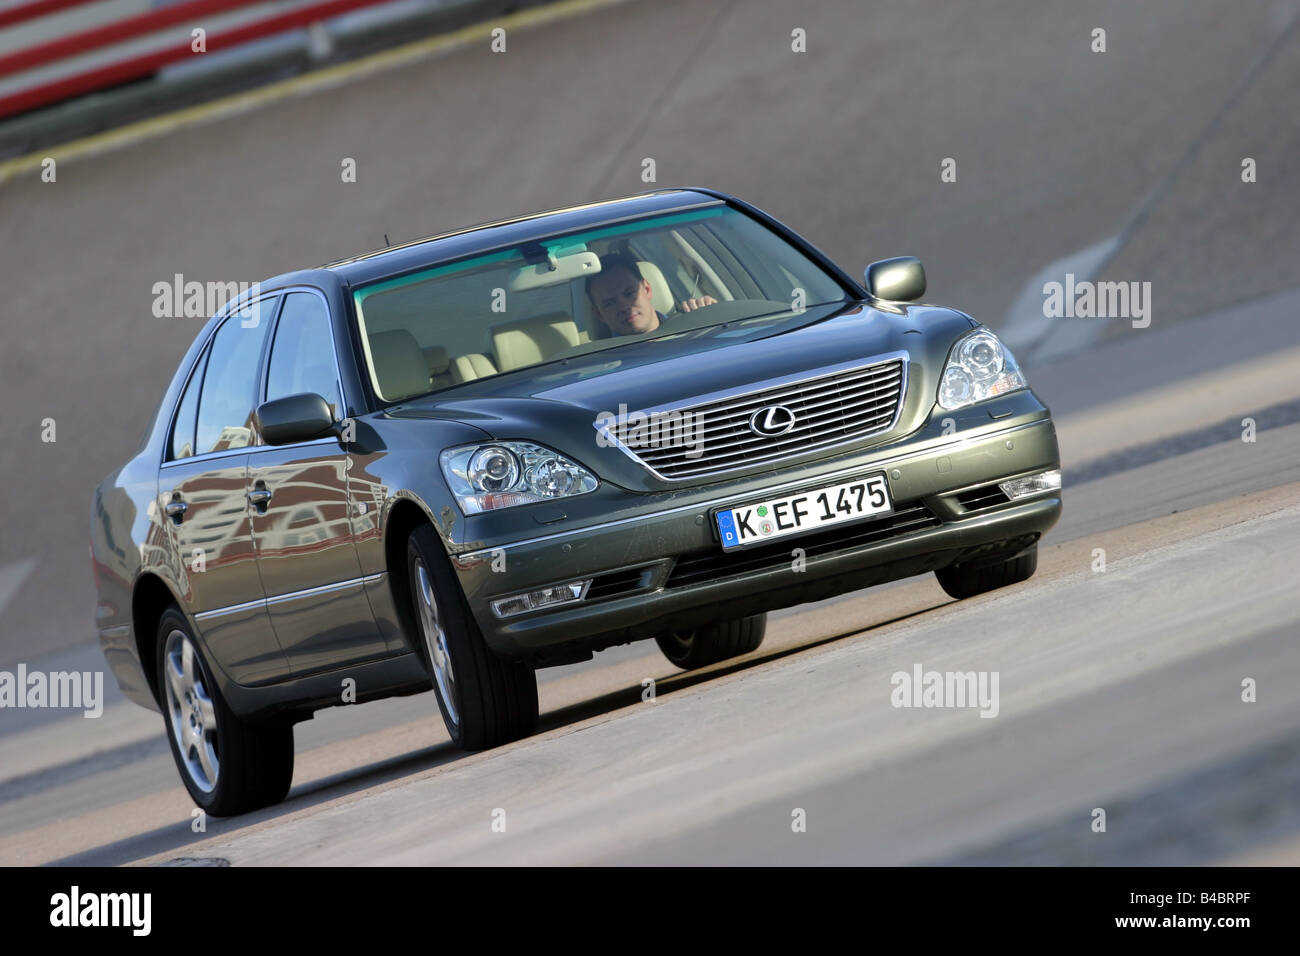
point(691, 304)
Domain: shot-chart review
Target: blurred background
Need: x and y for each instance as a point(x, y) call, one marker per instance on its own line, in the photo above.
point(1124, 164)
point(1169, 156)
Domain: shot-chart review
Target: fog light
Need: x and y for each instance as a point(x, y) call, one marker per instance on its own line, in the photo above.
point(552, 596)
point(1031, 484)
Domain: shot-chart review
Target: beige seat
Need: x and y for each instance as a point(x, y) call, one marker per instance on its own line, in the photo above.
point(661, 297)
point(466, 368)
point(400, 365)
point(533, 340)
point(435, 356)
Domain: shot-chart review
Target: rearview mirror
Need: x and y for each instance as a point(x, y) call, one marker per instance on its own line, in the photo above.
point(294, 418)
point(554, 271)
point(896, 280)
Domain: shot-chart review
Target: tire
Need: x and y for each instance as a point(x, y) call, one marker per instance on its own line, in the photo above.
point(963, 581)
point(229, 765)
point(714, 642)
point(486, 700)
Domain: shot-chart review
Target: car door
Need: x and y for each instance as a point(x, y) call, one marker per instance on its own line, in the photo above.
point(301, 516)
point(203, 486)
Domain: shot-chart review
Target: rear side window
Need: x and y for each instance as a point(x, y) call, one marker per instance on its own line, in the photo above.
point(302, 355)
point(230, 383)
point(187, 413)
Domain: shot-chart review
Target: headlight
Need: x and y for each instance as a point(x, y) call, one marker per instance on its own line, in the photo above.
point(493, 469)
point(508, 473)
point(979, 367)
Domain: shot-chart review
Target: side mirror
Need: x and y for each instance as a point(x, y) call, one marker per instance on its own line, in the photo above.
point(294, 418)
point(896, 280)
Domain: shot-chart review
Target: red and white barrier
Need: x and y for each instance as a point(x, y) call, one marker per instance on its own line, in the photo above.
point(128, 33)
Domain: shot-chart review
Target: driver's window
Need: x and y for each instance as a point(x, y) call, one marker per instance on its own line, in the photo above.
point(225, 418)
point(302, 354)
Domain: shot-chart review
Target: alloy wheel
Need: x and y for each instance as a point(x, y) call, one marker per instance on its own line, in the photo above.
point(190, 712)
point(435, 640)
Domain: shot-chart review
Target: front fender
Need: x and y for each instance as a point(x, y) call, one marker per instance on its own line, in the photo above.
point(395, 460)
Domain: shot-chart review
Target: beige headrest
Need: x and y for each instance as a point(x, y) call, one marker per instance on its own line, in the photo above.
point(660, 294)
point(399, 365)
point(524, 343)
point(466, 368)
point(435, 356)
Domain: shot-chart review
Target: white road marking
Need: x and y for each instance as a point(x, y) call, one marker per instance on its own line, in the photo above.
point(1028, 331)
point(12, 577)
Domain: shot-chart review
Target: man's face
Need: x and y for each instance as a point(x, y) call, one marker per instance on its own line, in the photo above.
point(622, 302)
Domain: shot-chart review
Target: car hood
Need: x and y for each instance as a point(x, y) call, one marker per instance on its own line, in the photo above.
point(557, 404)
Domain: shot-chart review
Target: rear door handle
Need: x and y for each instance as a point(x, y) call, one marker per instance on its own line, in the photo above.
point(260, 497)
point(176, 510)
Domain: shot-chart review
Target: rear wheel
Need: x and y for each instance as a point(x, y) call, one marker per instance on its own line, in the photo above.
point(229, 765)
point(967, 580)
point(485, 700)
point(713, 642)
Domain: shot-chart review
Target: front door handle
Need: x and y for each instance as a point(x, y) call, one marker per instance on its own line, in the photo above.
point(176, 509)
point(260, 497)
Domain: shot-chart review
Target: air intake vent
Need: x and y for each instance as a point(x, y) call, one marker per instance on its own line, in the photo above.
point(619, 582)
point(983, 497)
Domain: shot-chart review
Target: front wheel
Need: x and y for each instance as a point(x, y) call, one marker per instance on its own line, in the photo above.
point(485, 700)
point(229, 765)
point(713, 642)
point(963, 581)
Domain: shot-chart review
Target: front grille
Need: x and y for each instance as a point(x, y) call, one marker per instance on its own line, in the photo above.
point(828, 410)
point(708, 565)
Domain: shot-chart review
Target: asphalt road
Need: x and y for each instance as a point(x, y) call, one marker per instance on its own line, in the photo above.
point(1119, 690)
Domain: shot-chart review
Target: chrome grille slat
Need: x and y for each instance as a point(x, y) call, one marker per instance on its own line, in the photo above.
point(829, 409)
point(758, 399)
point(741, 421)
point(841, 427)
point(888, 388)
point(849, 410)
point(747, 453)
point(745, 462)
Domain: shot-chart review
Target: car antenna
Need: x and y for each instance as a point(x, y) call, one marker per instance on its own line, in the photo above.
point(386, 242)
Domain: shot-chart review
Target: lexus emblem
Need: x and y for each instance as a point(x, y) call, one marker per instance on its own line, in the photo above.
point(771, 421)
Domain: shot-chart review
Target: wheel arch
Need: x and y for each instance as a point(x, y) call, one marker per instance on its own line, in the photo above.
point(404, 515)
point(150, 597)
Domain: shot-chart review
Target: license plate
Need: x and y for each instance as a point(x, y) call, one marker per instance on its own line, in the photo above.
point(807, 511)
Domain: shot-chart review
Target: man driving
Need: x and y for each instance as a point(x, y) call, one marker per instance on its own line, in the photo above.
point(621, 297)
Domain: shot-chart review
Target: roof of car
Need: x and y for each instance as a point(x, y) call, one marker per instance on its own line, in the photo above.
point(419, 253)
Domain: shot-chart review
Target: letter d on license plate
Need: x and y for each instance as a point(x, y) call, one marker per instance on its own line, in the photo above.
point(808, 511)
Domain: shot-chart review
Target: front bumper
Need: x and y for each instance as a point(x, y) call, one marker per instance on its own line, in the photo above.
point(664, 568)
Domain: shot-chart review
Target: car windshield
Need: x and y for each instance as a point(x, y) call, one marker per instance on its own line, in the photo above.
point(574, 294)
